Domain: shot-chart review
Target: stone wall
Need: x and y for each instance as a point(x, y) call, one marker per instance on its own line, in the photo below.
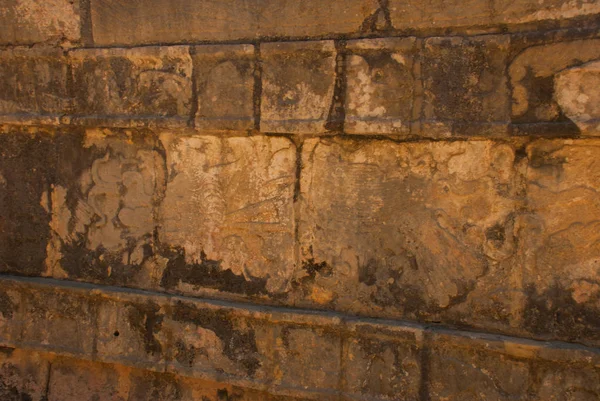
point(294, 200)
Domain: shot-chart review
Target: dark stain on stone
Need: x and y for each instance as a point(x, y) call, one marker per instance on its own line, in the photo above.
point(7, 306)
point(239, 346)
point(207, 274)
point(146, 319)
point(555, 313)
point(186, 355)
point(496, 235)
point(155, 386)
point(27, 168)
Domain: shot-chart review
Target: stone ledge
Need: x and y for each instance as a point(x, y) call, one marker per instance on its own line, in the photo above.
point(314, 355)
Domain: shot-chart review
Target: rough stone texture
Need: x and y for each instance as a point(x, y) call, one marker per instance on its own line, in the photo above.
point(225, 87)
point(532, 79)
point(34, 81)
point(23, 375)
point(415, 14)
point(147, 82)
point(576, 92)
point(560, 242)
point(465, 88)
point(33, 21)
point(298, 80)
point(388, 229)
point(380, 86)
point(158, 21)
point(235, 233)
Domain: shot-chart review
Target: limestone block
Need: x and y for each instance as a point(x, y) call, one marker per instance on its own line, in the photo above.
point(103, 202)
point(459, 370)
point(58, 320)
point(563, 382)
point(298, 80)
point(159, 21)
point(226, 220)
point(380, 85)
point(27, 164)
point(412, 230)
point(11, 318)
point(225, 87)
point(211, 341)
point(560, 247)
point(130, 331)
point(466, 14)
point(533, 81)
point(77, 380)
point(382, 362)
point(34, 81)
point(143, 83)
point(23, 375)
point(33, 21)
point(464, 84)
point(577, 92)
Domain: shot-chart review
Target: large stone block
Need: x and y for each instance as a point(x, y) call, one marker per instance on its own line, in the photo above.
point(465, 89)
point(298, 81)
point(157, 21)
point(27, 166)
point(146, 83)
point(225, 87)
point(104, 200)
point(536, 98)
point(227, 219)
point(34, 81)
point(560, 241)
point(11, 318)
point(380, 86)
point(33, 21)
point(415, 230)
point(23, 375)
point(472, 13)
point(382, 362)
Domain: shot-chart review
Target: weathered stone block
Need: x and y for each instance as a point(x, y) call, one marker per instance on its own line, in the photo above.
point(156, 21)
point(560, 240)
point(225, 87)
point(415, 14)
point(11, 318)
point(33, 21)
point(417, 230)
point(146, 83)
point(27, 165)
point(380, 85)
point(210, 341)
point(227, 220)
point(130, 331)
point(306, 357)
point(23, 375)
point(298, 81)
point(566, 382)
point(34, 81)
point(532, 79)
point(58, 320)
point(72, 380)
point(465, 86)
point(577, 94)
point(460, 369)
point(382, 362)
point(103, 206)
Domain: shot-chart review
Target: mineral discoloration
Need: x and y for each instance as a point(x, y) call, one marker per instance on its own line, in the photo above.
point(298, 86)
point(380, 85)
point(228, 214)
point(370, 210)
point(149, 82)
point(22, 375)
point(464, 84)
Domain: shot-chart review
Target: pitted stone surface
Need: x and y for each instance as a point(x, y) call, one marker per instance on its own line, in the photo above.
point(389, 229)
point(227, 215)
point(298, 86)
point(380, 86)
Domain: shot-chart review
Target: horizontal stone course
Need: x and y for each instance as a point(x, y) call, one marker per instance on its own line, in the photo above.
point(269, 349)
